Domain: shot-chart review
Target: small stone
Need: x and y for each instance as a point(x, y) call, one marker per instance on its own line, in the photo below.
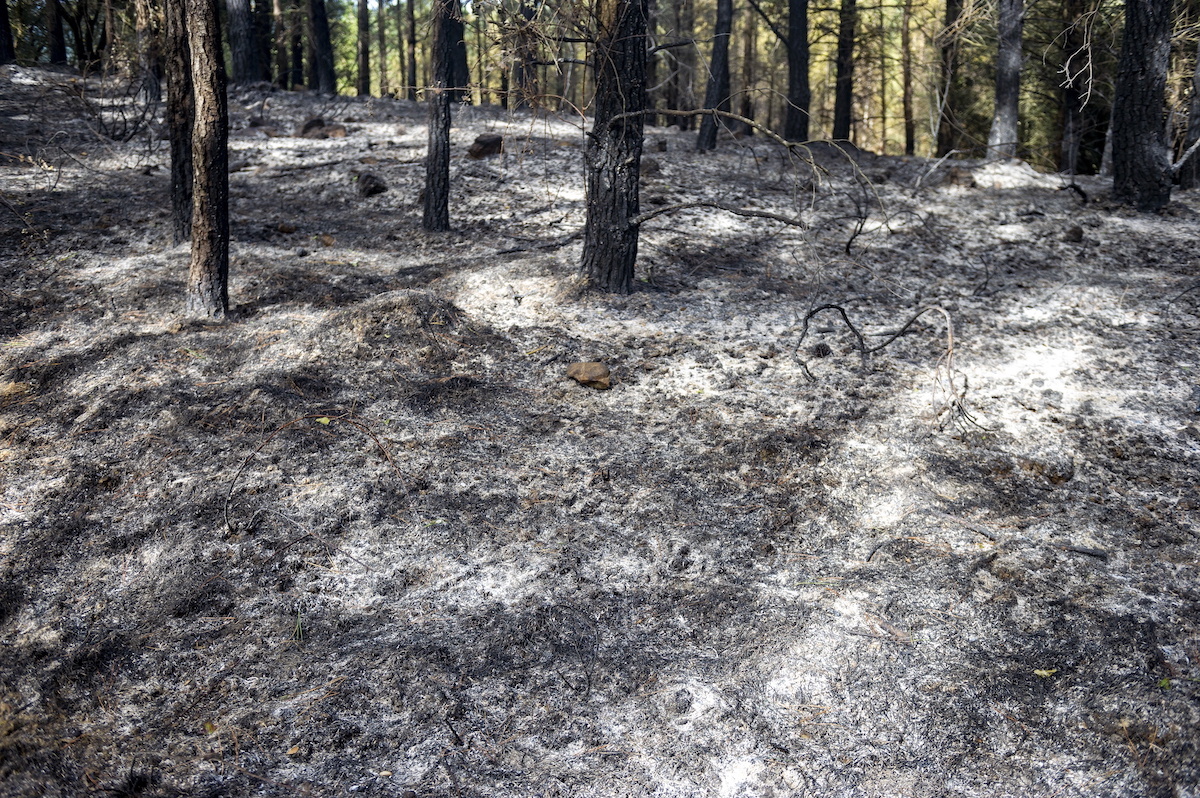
point(286, 227)
point(313, 128)
point(591, 374)
point(1073, 234)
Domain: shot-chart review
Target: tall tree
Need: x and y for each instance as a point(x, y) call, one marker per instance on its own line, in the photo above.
point(1189, 170)
point(384, 88)
point(54, 30)
point(8, 51)
point(412, 49)
point(1140, 156)
point(906, 78)
point(524, 45)
point(180, 118)
point(1002, 139)
point(282, 68)
point(952, 92)
point(400, 48)
point(843, 94)
point(364, 49)
point(243, 45)
point(1074, 61)
point(208, 278)
point(799, 95)
point(460, 77)
point(749, 50)
point(612, 156)
point(717, 94)
point(325, 81)
point(263, 35)
point(296, 20)
point(437, 158)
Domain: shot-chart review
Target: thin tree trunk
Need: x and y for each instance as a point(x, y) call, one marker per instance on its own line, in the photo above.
point(282, 69)
point(717, 95)
point(8, 50)
point(180, 118)
point(460, 78)
point(322, 48)
point(437, 159)
point(612, 157)
point(296, 24)
point(749, 53)
point(242, 47)
point(54, 27)
point(843, 96)
point(263, 36)
point(363, 50)
point(1002, 139)
point(1075, 51)
point(1189, 172)
point(412, 50)
point(385, 89)
point(524, 80)
point(906, 76)
point(207, 289)
point(404, 80)
point(951, 89)
point(799, 96)
point(1140, 155)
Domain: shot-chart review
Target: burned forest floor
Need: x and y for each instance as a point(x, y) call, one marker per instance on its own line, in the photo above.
point(899, 500)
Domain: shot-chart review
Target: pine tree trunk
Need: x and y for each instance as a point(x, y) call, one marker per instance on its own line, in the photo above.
point(363, 51)
point(207, 289)
point(322, 48)
point(180, 118)
point(412, 50)
point(524, 79)
point(460, 75)
point(385, 88)
point(717, 95)
point(282, 76)
point(1189, 173)
point(1002, 139)
point(952, 93)
point(843, 93)
point(1140, 156)
point(749, 51)
point(437, 159)
point(799, 96)
point(612, 157)
point(263, 35)
point(8, 50)
point(906, 76)
point(242, 47)
point(1075, 50)
point(296, 25)
point(54, 29)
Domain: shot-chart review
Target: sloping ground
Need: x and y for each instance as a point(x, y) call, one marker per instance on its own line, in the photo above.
point(368, 539)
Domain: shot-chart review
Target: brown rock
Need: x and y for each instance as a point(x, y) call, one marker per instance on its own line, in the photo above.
point(369, 184)
point(313, 128)
point(486, 144)
point(590, 374)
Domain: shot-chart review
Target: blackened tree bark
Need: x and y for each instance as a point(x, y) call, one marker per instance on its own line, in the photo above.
point(437, 159)
point(385, 88)
point(1002, 138)
point(953, 94)
point(264, 36)
point(1074, 56)
point(1140, 156)
point(8, 50)
point(799, 95)
point(180, 118)
point(612, 158)
point(363, 61)
point(412, 49)
point(524, 72)
point(1189, 170)
point(296, 19)
point(207, 289)
point(322, 48)
point(243, 46)
point(460, 77)
point(906, 78)
point(282, 68)
point(749, 50)
point(54, 29)
point(843, 92)
point(717, 95)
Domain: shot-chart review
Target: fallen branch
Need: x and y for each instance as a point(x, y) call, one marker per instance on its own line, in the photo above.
point(645, 217)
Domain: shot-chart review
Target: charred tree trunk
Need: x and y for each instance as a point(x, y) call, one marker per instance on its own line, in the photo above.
point(54, 30)
point(1189, 171)
point(243, 48)
point(385, 88)
point(322, 48)
point(951, 84)
point(1002, 139)
point(8, 50)
point(524, 79)
point(717, 95)
point(412, 49)
point(296, 26)
point(264, 35)
point(843, 95)
point(460, 77)
point(282, 69)
point(906, 76)
point(1140, 155)
point(1074, 84)
point(437, 160)
point(363, 60)
point(749, 49)
point(613, 154)
point(799, 95)
point(207, 290)
point(180, 118)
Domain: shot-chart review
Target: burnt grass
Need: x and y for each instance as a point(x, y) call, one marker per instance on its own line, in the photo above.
point(367, 538)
